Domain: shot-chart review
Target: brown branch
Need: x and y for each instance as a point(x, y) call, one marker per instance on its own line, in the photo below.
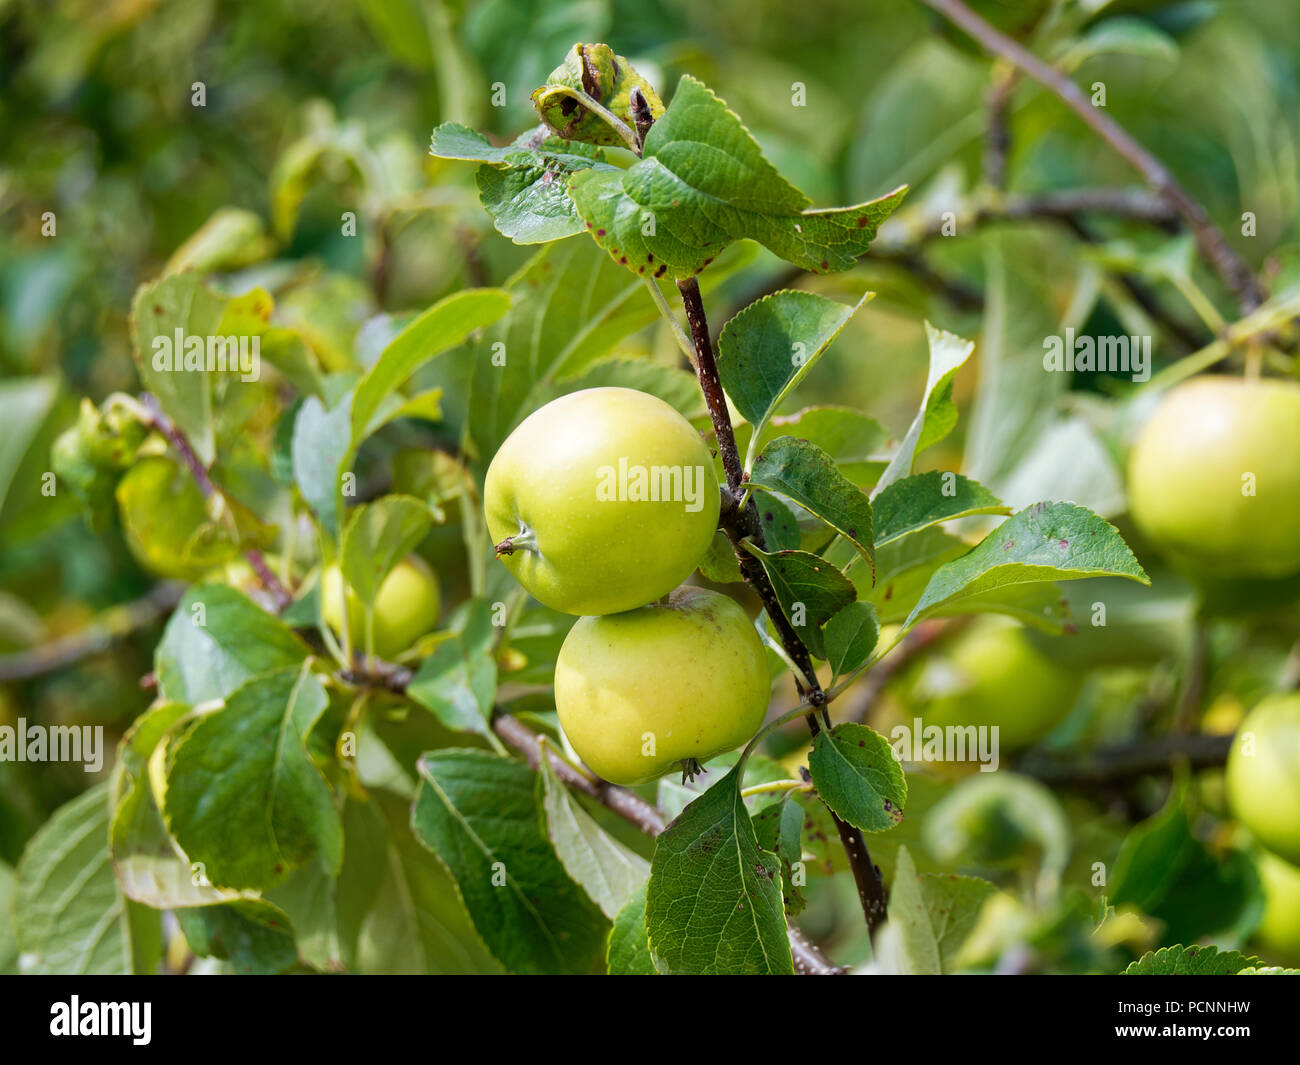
point(740, 524)
point(997, 142)
point(1234, 271)
point(281, 595)
point(1113, 764)
point(112, 625)
point(624, 802)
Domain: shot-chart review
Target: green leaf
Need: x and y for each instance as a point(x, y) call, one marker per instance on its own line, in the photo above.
point(567, 313)
point(215, 641)
point(322, 449)
point(458, 683)
point(914, 503)
point(179, 302)
point(938, 413)
point(780, 527)
point(719, 563)
point(242, 795)
point(443, 326)
point(167, 522)
point(678, 388)
point(850, 636)
point(480, 815)
point(231, 238)
point(851, 438)
point(714, 902)
point(610, 874)
point(399, 910)
point(70, 915)
point(524, 185)
point(778, 827)
point(769, 347)
point(701, 183)
point(1191, 961)
point(931, 914)
point(251, 934)
point(858, 776)
point(810, 590)
point(1045, 542)
point(24, 403)
point(149, 866)
point(1027, 280)
point(378, 536)
point(628, 953)
point(594, 71)
point(903, 569)
point(806, 474)
point(9, 934)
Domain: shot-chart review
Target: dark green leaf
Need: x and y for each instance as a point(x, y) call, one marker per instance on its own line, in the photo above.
point(810, 590)
point(850, 636)
point(242, 796)
point(215, 641)
point(629, 946)
point(1045, 542)
point(858, 776)
point(769, 347)
point(701, 183)
point(714, 903)
point(806, 474)
point(914, 503)
point(480, 815)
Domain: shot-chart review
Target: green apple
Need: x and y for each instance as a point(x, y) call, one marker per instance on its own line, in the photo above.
point(1279, 928)
point(603, 500)
point(642, 691)
point(405, 609)
point(1263, 775)
point(1214, 477)
point(992, 674)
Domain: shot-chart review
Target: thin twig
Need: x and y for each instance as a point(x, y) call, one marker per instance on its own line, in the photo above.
point(997, 143)
point(281, 595)
point(740, 523)
point(1113, 764)
point(624, 802)
point(112, 625)
point(1236, 274)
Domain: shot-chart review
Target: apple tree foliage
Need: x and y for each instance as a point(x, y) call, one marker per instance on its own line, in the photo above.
point(294, 811)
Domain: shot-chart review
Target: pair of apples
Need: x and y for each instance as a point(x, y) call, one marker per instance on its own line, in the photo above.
point(602, 503)
point(1214, 482)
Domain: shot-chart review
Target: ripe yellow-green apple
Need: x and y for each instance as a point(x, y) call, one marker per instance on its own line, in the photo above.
point(601, 501)
point(1263, 775)
point(405, 609)
point(1279, 927)
point(642, 691)
point(1214, 477)
point(992, 674)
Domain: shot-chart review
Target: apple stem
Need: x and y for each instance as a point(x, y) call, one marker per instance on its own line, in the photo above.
point(524, 540)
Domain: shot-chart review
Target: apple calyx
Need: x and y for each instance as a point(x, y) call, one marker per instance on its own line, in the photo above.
point(691, 768)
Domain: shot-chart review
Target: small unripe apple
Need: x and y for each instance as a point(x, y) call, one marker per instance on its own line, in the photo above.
point(992, 674)
point(603, 500)
point(1279, 928)
point(1263, 775)
point(1214, 477)
point(642, 691)
point(405, 609)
